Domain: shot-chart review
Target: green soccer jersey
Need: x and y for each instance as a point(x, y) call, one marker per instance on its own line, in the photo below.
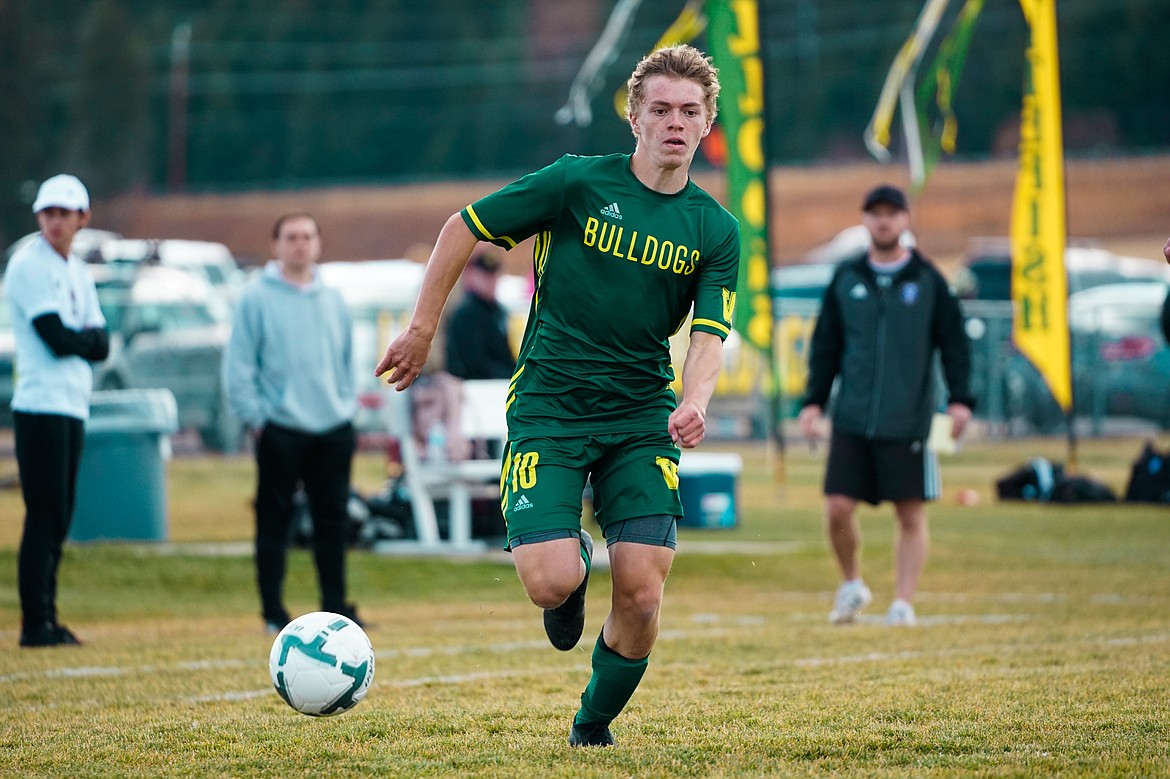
point(618, 267)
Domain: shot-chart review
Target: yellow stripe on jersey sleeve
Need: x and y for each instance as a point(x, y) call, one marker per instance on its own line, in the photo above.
point(484, 231)
point(712, 324)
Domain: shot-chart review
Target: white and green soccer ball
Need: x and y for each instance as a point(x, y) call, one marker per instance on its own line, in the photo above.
point(322, 664)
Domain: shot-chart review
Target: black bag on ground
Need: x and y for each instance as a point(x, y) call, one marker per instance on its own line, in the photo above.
point(1082, 489)
point(1149, 480)
point(1036, 480)
point(1043, 481)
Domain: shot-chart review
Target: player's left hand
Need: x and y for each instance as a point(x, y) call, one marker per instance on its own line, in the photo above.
point(687, 426)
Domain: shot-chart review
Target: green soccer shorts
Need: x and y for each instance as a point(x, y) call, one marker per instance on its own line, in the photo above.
point(543, 479)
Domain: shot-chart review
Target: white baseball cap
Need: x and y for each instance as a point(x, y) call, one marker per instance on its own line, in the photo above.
point(62, 191)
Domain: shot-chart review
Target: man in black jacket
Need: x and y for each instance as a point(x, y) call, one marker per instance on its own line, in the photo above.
point(477, 335)
point(884, 316)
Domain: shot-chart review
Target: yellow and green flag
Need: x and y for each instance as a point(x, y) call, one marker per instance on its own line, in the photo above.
point(1039, 280)
point(733, 35)
point(900, 79)
point(937, 128)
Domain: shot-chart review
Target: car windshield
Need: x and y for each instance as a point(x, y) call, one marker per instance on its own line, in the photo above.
point(1124, 314)
point(169, 316)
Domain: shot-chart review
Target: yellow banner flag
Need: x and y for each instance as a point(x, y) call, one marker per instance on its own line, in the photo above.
point(734, 40)
point(1039, 279)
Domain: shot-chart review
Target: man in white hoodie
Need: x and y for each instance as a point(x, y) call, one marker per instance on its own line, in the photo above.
point(289, 376)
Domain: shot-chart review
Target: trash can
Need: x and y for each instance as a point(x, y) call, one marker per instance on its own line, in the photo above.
point(707, 486)
point(121, 483)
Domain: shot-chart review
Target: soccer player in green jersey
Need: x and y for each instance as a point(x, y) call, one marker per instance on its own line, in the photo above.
point(627, 246)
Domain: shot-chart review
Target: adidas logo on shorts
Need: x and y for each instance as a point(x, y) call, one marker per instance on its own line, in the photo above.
point(612, 211)
point(522, 503)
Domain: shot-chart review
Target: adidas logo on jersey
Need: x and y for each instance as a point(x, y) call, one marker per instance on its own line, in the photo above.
point(522, 503)
point(612, 211)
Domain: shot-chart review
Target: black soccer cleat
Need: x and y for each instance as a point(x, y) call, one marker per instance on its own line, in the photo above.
point(49, 635)
point(564, 624)
point(590, 734)
point(349, 611)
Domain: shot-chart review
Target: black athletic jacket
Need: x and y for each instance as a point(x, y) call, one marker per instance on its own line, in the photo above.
point(881, 340)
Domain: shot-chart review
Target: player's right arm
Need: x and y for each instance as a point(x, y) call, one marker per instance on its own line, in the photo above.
point(407, 354)
point(687, 423)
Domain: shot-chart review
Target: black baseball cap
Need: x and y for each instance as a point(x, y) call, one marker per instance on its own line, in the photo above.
point(886, 193)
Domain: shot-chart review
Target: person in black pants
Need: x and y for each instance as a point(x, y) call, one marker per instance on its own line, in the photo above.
point(288, 371)
point(59, 330)
point(320, 462)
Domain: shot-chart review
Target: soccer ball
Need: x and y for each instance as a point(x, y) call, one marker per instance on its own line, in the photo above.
point(322, 664)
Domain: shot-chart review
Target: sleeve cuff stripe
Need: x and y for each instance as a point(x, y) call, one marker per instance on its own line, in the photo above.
point(712, 324)
point(484, 232)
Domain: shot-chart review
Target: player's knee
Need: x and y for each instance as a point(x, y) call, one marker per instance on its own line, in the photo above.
point(839, 509)
point(640, 604)
point(549, 589)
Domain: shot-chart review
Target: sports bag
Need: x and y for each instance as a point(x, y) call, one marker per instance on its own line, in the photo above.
point(1035, 480)
point(1149, 479)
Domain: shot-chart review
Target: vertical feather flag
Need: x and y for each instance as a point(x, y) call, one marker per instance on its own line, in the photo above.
point(734, 39)
point(684, 29)
point(901, 75)
point(938, 89)
point(1039, 280)
point(588, 80)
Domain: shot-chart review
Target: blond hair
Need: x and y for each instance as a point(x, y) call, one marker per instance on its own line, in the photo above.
point(679, 61)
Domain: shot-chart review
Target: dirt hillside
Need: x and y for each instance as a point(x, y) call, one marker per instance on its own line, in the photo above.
point(1125, 203)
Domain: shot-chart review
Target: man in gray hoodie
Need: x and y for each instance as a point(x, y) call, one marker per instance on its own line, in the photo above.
point(289, 376)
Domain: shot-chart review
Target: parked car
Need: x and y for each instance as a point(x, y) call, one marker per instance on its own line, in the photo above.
point(987, 269)
point(168, 329)
point(1120, 359)
point(211, 261)
point(1120, 362)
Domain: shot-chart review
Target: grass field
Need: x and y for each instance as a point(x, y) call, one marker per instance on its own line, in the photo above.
point(1043, 649)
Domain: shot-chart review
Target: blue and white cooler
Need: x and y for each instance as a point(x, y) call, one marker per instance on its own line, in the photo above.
point(708, 485)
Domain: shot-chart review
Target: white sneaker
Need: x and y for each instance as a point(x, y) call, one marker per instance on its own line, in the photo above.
point(901, 614)
point(851, 598)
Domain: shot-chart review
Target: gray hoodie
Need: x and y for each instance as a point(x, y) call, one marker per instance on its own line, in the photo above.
point(290, 357)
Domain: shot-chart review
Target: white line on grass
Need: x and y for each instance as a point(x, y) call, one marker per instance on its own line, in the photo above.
point(996, 649)
point(506, 647)
point(423, 681)
point(522, 646)
point(509, 647)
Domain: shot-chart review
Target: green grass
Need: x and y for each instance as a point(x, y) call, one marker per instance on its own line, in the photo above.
point(1044, 649)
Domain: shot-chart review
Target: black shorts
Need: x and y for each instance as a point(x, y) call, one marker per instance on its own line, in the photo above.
point(877, 470)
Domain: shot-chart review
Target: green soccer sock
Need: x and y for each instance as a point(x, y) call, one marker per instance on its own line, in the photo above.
point(613, 682)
